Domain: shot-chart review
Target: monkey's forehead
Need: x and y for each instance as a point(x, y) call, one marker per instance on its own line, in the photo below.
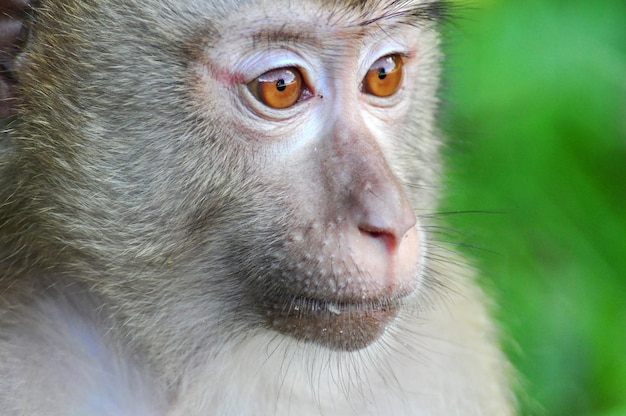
point(337, 13)
point(316, 22)
point(322, 13)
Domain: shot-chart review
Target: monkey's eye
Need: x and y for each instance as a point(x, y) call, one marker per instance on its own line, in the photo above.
point(278, 88)
point(384, 76)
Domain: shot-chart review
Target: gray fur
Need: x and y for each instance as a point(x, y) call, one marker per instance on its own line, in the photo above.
point(136, 234)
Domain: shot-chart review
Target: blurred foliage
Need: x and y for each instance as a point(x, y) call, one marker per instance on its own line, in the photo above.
point(535, 109)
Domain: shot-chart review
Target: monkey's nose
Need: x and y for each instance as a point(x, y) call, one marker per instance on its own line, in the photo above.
point(387, 248)
point(388, 224)
point(387, 258)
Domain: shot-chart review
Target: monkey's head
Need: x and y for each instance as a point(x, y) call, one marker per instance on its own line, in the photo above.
point(265, 164)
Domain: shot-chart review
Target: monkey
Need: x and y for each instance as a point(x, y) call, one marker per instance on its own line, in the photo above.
point(229, 208)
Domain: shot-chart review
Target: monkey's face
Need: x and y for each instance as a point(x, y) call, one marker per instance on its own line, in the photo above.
point(321, 111)
point(263, 160)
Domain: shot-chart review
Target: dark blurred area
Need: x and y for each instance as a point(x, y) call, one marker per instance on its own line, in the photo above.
point(535, 112)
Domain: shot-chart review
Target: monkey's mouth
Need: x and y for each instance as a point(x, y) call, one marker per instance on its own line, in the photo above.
point(301, 303)
point(348, 325)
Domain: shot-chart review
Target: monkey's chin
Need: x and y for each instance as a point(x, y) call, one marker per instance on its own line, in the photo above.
point(345, 326)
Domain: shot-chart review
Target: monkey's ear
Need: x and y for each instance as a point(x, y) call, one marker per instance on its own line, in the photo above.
point(14, 15)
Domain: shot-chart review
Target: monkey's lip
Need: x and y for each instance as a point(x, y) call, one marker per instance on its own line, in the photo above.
point(310, 305)
point(341, 325)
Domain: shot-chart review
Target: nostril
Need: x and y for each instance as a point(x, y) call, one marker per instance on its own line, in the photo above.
point(388, 238)
point(389, 226)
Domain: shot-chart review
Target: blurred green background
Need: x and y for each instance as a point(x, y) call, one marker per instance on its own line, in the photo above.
point(535, 111)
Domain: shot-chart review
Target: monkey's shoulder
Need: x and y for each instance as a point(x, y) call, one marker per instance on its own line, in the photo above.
point(57, 358)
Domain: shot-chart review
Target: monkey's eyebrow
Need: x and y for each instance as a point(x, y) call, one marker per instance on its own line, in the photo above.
point(283, 35)
point(414, 15)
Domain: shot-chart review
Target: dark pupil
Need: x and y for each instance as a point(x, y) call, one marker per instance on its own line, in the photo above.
point(280, 85)
point(382, 74)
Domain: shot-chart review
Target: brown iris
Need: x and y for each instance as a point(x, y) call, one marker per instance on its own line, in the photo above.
point(384, 76)
point(278, 88)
